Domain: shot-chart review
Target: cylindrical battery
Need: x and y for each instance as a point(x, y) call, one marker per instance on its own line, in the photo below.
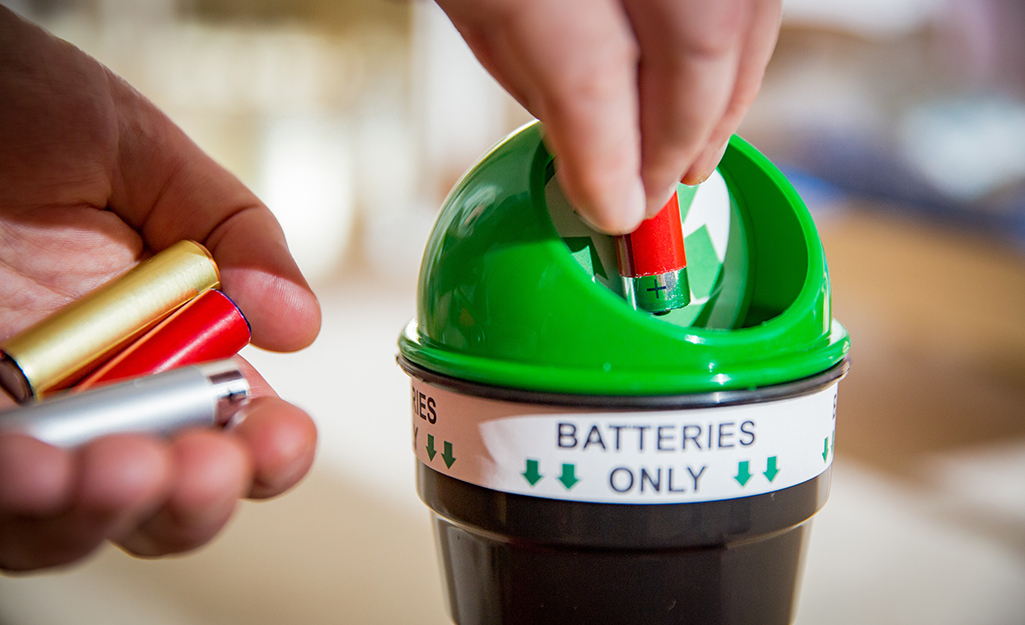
point(63, 347)
point(202, 395)
point(210, 327)
point(653, 262)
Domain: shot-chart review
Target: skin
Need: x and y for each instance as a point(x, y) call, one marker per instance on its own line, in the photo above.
point(635, 94)
point(93, 179)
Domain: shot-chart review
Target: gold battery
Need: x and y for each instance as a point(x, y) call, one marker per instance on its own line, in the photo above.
point(61, 348)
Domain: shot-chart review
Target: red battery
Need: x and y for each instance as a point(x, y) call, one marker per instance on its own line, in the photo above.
point(653, 262)
point(210, 327)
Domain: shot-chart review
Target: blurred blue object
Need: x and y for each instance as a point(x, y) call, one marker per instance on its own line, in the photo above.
point(824, 199)
point(874, 166)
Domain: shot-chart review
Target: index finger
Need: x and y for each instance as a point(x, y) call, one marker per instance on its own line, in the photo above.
point(574, 65)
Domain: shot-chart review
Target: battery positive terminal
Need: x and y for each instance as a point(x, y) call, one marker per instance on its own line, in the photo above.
point(653, 262)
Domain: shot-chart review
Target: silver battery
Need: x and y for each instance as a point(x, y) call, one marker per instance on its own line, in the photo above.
point(200, 395)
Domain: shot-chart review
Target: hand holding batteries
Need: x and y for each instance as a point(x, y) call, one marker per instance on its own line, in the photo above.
point(635, 94)
point(94, 178)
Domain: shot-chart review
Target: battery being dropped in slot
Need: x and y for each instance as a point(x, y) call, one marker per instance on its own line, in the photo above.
point(199, 395)
point(653, 262)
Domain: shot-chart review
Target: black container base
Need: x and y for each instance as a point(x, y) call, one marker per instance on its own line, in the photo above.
point(491, 581)
point(516, 560)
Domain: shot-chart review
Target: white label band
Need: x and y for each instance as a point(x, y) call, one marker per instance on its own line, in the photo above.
point(631, 457)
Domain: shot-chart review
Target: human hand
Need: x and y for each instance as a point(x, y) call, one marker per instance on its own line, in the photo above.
point(93, 178)
point(635, 94)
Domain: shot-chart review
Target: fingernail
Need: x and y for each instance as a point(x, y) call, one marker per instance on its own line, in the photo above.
point(624, 217)
point(715, 161)
point(656, 208)
point(636, 208)
point(241, 412)
point(697, 176)
point(617, 217)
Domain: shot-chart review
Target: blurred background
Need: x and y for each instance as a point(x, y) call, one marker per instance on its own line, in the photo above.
point(902, 123)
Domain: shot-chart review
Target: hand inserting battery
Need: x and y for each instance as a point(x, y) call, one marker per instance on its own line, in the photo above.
point(635, 95)
point(94, 178)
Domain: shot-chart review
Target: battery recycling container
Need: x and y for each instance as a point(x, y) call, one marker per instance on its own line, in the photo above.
point(588, 462)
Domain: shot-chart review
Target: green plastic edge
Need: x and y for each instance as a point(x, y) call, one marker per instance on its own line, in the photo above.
point(502, 302)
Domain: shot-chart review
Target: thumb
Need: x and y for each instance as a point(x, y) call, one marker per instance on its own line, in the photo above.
point(168, 190)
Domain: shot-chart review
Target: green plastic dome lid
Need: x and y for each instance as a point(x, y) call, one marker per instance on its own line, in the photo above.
point(516, 293)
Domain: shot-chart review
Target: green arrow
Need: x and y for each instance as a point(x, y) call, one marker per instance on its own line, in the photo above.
point(743, 473)
point(532, 473)
point(568, 477)
point(770, 470)
point(430, 446)
point(825, 450)
point(448, 456)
